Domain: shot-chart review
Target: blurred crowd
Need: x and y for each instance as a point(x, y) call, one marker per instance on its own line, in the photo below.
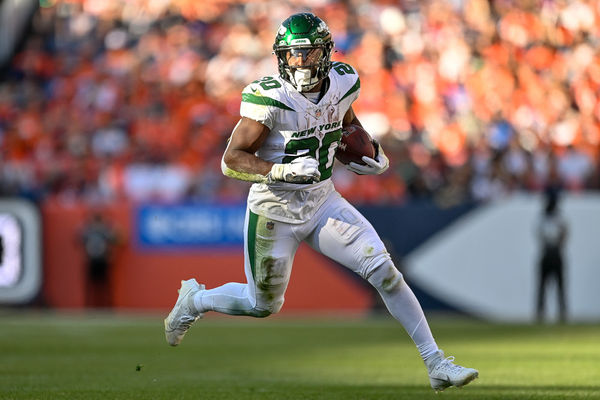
point(134, 100)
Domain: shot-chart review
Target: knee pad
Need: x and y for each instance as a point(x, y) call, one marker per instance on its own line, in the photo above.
point(385, 277)
point(260, 313)
point(272, 276)
point(276, 305)
point(267, 308)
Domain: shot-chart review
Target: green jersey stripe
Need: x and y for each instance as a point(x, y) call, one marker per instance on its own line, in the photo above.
point(252, 220)
point(264, 101)
point(352, 90)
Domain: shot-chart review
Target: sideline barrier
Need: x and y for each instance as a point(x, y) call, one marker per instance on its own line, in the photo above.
point(20, 252)
point(146, 275)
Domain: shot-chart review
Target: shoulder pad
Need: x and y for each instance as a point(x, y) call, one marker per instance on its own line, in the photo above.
point(347, 78)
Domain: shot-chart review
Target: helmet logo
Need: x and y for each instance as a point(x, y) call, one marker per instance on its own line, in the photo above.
point(322, 27)
point(300, 41)
point(282, 30)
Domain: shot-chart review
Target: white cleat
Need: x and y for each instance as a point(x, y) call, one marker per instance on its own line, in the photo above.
point(443, 373)
point(183, 314)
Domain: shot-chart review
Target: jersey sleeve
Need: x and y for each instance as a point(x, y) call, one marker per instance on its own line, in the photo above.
point(349, 82)
point(255, 105)
point(354, 91)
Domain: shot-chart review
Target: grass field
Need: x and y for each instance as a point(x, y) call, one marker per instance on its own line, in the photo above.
point(101, 356)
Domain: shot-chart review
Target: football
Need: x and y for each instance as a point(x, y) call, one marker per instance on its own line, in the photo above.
point(355, 144)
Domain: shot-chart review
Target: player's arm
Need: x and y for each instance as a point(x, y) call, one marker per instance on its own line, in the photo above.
point(350, 118)
point(240, 161)
point(374, 166)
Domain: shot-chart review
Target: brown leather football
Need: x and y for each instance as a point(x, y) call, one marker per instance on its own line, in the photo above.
point(355, 144)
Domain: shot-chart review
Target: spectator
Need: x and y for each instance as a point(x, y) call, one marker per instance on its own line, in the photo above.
point(574, 168)
point(102, 96)
point(98, 239)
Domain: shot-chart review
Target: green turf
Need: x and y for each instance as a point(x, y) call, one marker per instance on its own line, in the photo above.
point(47, 356)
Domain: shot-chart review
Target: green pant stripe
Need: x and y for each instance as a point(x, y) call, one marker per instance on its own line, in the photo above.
point(252, 241)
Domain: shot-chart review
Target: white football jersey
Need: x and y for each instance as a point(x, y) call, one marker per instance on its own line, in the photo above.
point(298, 128)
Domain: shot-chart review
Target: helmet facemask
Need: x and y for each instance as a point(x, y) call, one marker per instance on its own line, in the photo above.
point(304, 66)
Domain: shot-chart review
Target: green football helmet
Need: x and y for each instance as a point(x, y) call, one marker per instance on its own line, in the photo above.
point(305, 39)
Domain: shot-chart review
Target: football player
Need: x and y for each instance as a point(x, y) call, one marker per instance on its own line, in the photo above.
point(285, 142)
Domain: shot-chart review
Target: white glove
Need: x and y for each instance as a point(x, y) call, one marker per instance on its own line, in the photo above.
point(300, 170)
point(375, 166)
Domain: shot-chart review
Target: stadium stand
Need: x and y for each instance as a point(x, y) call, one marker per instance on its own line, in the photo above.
point(133, 100)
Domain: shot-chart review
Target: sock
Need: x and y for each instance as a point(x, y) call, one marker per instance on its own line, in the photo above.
point(404, 307)
point(231, 298)
point(430, 351)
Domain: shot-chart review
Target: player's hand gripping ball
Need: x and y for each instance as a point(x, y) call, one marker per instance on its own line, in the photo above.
point(355, 144)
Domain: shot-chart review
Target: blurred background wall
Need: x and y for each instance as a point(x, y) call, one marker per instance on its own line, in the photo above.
point(122, 109)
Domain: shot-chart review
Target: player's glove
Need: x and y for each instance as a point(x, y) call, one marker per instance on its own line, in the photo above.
point(375, 166)
point(300, 170)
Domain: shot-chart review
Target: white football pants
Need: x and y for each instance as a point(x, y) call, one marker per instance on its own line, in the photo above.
point(338, 231)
